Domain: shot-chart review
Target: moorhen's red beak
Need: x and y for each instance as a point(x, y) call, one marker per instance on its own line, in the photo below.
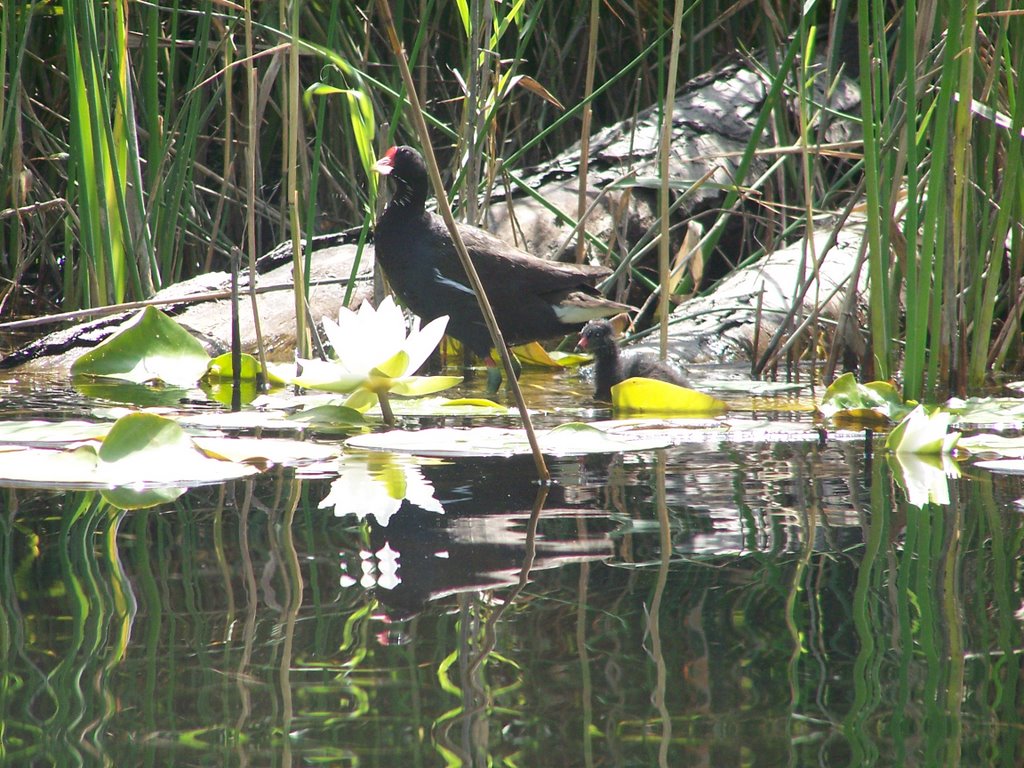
point(582, 343)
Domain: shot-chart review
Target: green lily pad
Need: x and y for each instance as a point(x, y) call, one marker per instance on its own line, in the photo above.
point(329, 416)
point(152, 347)
point(144, 498)
point(999, 412)
point(221, 367)
point(139, 449)
point(752, 387)
point(151, 394)
point(874, 403)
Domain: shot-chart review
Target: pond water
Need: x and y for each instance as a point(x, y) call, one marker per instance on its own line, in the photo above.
point(743, 600)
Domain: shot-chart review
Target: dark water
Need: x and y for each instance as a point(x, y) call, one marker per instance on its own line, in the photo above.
point(732, 603)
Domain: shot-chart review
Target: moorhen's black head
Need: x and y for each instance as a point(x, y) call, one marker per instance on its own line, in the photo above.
point(597, 336)
point(405, 165)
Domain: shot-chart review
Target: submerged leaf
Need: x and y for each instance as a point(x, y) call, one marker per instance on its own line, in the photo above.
point(152, 347)
point(640, 395)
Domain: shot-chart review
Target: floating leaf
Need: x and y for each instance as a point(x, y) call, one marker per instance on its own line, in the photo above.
point(640, 395)
point(417, 386)
point(141, 498)
point(992, 444)
point(265, 451)
point(49, 433)
point(152, 347)
point(576, 440)
point(1003, 466)
point(329, 415)
point(153, 394)
point(221, 367)
point(876, 402)
point(534, 354)
point(139, 449)
point(1000, 412)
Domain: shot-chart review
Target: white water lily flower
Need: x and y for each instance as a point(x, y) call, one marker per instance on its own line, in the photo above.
point(923, 432)
point(376, 484)
point(374, 356)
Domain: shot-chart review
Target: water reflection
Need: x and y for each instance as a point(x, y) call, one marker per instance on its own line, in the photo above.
point(765, 604)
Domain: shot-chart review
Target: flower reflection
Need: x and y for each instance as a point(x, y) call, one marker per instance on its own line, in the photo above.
point(377, 483)
point(925, 479)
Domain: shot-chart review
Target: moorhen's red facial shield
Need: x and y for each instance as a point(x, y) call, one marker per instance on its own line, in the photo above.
point(532, 298)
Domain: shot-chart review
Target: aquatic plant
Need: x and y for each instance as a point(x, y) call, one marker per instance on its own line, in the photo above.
point(373, 357)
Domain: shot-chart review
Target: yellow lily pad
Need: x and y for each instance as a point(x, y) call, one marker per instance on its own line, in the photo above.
point(640, 395)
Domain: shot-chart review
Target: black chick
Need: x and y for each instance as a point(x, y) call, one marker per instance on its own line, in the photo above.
point(598, 337)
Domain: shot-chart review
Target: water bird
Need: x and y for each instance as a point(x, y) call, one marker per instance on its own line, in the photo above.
point(599, 337)
point(532, 298)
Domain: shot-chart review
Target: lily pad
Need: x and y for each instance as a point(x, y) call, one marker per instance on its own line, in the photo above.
point(50, 433)
point(989, 412)
point(534, 354)
point(152, 347)
point(990, 444)
point(140, 449)
point(574, 439)
point(640, 395)
point(874, 403)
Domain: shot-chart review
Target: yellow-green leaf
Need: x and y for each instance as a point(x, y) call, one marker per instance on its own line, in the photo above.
point(640, 395)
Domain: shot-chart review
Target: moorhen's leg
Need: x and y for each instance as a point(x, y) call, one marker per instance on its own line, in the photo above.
point(494, 371)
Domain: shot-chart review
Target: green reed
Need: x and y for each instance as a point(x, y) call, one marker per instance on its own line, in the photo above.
point(124, 129)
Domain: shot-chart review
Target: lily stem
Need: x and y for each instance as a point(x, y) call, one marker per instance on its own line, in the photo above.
point(385, 409)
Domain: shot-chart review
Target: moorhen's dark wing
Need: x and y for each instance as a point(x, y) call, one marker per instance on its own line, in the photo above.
point(532, 298)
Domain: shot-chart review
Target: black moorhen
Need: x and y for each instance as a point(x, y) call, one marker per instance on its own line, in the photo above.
point(598, 338)
point(532, 298)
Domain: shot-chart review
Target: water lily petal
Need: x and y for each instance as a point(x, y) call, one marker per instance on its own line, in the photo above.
point(416, 386)
point(423, 341)
point(329, 377)
point(394, 366)
point(344, 341)
point(362, 400)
